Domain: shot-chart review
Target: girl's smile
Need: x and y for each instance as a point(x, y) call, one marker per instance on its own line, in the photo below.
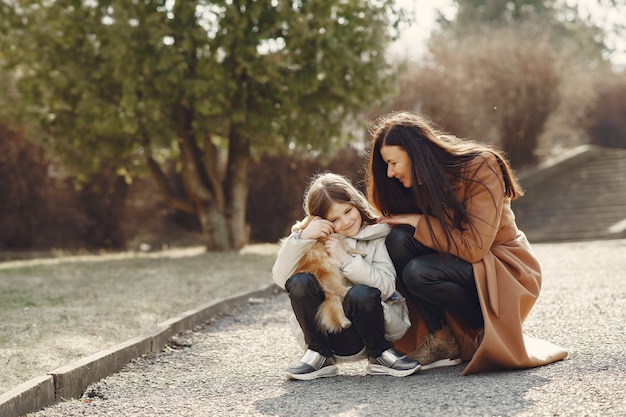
point(346, 219)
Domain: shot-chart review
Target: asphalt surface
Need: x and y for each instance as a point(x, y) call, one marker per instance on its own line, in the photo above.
point(233, 366)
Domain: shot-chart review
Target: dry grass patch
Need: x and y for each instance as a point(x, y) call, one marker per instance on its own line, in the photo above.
point(55, 311)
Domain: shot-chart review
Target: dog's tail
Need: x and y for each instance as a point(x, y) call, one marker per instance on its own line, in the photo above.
point(330, 315)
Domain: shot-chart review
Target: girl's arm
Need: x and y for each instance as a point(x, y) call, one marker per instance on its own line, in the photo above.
point(289, 254)
point(376, 272)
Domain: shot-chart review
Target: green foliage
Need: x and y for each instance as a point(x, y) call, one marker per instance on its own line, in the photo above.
point(110, 80)
point(559, 19)
point(500, 12)
point(114, 83)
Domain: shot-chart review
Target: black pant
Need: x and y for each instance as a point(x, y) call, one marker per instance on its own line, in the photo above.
point(361, 305)
point(434, 282)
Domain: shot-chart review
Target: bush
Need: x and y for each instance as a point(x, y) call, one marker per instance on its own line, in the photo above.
point(41, 210)
point(277, 184)
point(23, 184)
point(101, 202)
point(498, 86)
point(605, 121)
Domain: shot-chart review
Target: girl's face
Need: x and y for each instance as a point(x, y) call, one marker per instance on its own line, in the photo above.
point(346, 218)
point(398, 164)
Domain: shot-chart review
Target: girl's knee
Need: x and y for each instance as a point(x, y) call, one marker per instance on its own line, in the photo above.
point(363, 295)
point(301, 285)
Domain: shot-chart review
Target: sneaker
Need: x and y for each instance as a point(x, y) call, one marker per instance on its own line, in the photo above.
point(312, 365)
point(392, 362)
point(436, 353)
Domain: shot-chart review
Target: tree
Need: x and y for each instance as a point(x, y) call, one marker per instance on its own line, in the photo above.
point(561, 19)
point(499, 12)
point(211, 83)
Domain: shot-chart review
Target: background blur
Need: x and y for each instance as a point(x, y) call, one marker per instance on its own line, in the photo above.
point(146, 125)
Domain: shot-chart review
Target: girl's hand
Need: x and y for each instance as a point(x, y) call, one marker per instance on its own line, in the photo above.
point(317, 228)
point(410, 219)
point(336, 250)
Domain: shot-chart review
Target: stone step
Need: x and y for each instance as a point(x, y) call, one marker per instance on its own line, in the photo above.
point(581, 195)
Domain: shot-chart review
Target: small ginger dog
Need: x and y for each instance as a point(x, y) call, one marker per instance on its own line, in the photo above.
point(330, 316)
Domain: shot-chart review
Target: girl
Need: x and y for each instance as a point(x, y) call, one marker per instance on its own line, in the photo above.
point(340, 208)
point(460, 259)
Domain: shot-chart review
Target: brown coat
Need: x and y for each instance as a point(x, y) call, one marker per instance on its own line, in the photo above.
point(507, 274)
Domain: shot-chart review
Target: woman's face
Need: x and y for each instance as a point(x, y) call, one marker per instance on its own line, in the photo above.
point(346, 219)
point(398, 164)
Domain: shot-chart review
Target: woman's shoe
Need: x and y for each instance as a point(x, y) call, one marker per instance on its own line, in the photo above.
point(436, 353)
point(312, 365)
point(392, 362)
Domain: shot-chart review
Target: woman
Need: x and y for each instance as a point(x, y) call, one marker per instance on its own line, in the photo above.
point(461, 261)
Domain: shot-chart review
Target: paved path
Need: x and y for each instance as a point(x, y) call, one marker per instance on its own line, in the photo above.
point(233, 366)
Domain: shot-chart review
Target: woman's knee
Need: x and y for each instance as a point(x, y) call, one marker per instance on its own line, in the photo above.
point(302, 285)
point(399, 238)
point(417, 276)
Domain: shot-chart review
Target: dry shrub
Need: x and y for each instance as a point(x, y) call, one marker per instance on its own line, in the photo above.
point(605, 120)
point(23, 174)
point(41, 210)
point(277, 184)
point(498, 86)
point(101, 201)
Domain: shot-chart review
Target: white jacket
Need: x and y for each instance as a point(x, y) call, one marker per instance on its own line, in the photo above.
point(375, 270)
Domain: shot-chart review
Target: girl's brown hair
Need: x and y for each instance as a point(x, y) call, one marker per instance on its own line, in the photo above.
point(328, 188)
point(439, 164)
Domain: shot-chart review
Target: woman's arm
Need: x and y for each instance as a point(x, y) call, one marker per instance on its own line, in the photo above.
point(483, 198)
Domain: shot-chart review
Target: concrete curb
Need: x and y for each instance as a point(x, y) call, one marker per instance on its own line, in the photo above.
point(70, 381)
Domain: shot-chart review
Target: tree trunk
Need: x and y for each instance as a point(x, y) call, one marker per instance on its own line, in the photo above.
point(236, 188)
point(214, 228)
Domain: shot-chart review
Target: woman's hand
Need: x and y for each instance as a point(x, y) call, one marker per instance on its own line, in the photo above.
point(317, 228)
point(335, 249)
point(410, 219)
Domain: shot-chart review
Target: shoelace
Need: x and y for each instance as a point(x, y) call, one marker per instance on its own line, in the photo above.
point(478, 339)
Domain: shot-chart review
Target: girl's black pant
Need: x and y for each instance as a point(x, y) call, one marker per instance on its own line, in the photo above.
point(361, 305)
point(434, 282)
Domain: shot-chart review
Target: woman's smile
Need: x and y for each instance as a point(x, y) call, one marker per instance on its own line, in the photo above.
point(398, 164)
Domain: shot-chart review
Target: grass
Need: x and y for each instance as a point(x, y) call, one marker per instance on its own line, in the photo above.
point(55, 311)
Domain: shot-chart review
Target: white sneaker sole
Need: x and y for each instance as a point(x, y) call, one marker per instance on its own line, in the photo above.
point(324, 372)
point(441, 363)
point(373, 369)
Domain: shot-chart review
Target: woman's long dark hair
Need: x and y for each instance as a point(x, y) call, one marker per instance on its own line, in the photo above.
point(439, 165)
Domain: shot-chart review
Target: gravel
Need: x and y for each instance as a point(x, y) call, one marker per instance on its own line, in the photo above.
point(233, 365)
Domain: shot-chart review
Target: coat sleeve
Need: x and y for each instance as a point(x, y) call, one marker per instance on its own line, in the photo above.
point(483, 197)
point(377, 271)
point(288, 256)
